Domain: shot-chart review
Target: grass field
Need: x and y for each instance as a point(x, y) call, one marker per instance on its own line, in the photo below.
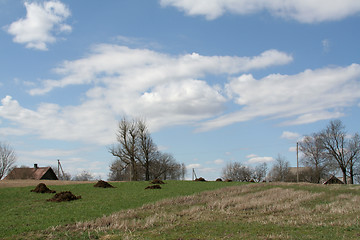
point(247, 211)
point(23, 211)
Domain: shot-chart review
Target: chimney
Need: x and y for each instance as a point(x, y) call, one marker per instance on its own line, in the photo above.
point(35, 166)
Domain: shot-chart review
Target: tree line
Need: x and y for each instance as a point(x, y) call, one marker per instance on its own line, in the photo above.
point(324, 153)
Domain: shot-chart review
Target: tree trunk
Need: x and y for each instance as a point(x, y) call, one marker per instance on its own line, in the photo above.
point(344, 175)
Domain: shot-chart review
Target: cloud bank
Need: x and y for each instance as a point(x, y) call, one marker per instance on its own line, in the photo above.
point(169, 90)
point(301, 11)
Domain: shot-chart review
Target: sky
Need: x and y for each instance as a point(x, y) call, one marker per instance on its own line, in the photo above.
point(217, 81)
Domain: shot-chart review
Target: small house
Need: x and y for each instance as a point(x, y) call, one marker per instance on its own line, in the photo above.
point(333, 180)
point(36, 173)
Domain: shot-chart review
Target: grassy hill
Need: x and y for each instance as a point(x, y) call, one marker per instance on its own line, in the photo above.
point(184, 210)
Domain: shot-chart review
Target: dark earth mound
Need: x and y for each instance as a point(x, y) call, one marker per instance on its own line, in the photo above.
point(219, 180)
point(228, 180)
point(153, 187)
point(200, 179)
point(64, 196)
point(42, 188)
point(157, 181)
point(103, 184)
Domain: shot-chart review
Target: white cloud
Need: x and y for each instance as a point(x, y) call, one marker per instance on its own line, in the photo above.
point(193, 165)
point(292, 149)
point(219, 161)
point(326, 45)
point(306, 97)
point(163, 89)
point(301, 11)
point(290, 135)
point(42, 20)
point(256, 159)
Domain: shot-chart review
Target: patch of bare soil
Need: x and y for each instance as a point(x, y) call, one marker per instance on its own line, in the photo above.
point(228, 180)
point(200, 179)
point(103, 184)
point(64, 196)
point(42, 188)
point(153, 187)
point(157, 181)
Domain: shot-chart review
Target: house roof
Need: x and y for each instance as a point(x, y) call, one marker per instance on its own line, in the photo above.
point(29, 173)
point(333, 180)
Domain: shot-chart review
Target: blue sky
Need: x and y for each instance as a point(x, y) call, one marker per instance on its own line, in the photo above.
point(217, 81)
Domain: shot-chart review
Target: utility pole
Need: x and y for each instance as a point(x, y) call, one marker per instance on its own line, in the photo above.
point(193, 174)
point(297, 161)
point(60, 167)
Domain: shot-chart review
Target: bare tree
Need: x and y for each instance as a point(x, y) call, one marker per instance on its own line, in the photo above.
point(314, 156)
point(237, 172)
point(7, 158)
point(259, 173)
point(340, 148)
point(147, 148)
point(127, 148)
point(280, 172)
point(84, 176)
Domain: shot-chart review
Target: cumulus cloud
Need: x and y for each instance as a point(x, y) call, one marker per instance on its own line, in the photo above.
point(42, 22)
point(256, 159)
point(301, 11)
point(306, 97)
point(290, 135)
point(219, 161)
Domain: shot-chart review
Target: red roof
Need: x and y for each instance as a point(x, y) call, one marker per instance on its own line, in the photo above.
point(32, 173)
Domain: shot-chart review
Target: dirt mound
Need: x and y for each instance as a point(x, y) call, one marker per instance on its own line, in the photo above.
point(200, 179)
point(103, 184)
point(219, 180)
point(228, 180)
point(157, 181)
point(64, 196)
point(42, 188)
point(153, 187)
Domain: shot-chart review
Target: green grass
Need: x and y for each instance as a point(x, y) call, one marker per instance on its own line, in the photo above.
point(240, 211)
point(23, 211)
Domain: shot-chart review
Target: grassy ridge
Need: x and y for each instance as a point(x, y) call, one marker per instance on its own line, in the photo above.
point(23, 211)
point(252, 211)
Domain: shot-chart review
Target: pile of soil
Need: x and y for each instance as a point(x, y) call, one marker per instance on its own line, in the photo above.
point(153, 187)
point(64, 196)
point(103, 184)
point(228, 180)
point(42, 188)
point(200, 179)
point(157, 181)
point(219, 180)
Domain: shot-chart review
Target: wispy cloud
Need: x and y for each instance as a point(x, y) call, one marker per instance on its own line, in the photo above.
point(301, 11)
point(41, 23)
point(256, 159)
point(290, 135)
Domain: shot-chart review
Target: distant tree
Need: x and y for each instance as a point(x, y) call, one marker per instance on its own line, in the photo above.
point(280, 171)
point(237, 172)
point(84, 176)
point(259, 173)
point(7, 159)
point(340, 148)
point(314, 157)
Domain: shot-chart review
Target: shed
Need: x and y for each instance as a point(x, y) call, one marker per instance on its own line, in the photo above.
point(36, 173)
point(333, 180)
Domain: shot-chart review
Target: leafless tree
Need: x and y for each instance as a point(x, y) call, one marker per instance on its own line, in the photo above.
point(7, 158)
point(340, 148)
point(147, 148)
point(280, 171)
point(314, 156)
point(237, 172)
point(84, 176)
point(259, 173)
point(127, 149)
